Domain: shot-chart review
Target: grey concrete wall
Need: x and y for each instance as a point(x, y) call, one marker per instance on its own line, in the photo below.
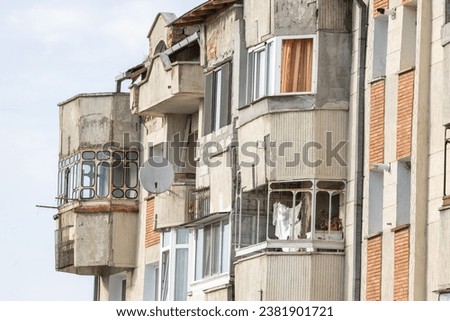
point(89, 121)
point(219, 36)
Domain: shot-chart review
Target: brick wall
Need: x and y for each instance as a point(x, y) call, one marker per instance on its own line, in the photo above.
point(376, 141)
point(404, 113)
point(373, 286)
point(379, 4)
point(151, 237)
point(401, 265)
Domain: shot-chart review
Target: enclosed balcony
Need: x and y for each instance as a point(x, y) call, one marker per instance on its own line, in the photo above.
point(171, 82)
point(97, 219)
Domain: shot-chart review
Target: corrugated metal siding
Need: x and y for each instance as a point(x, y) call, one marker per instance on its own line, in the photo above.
point(335, 14)
point(328, 283)
point(291, 276)
point(301, 128)
point(288, 278)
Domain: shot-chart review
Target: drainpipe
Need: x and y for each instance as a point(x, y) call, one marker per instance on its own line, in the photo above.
point(359, 188)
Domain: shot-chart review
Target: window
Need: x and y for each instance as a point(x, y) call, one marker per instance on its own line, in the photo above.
point(447, 11)
point(380, 47)
point(174, 265)
point(217, 108)
point(151, 282)
point(296, 211)
point(212, 253)
point(444, 296)
point(99, 174)
point(118, 287)
point(281, 65)
point(202, 200)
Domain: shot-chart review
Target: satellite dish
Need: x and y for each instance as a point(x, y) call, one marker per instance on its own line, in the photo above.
point(156, 175)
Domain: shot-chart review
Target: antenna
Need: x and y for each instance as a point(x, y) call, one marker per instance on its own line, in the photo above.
point(156, 175)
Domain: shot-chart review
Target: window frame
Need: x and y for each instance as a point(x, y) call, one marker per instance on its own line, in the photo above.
point(273, 55)
point(168, 250)
point(217, 93)
point(222, 257)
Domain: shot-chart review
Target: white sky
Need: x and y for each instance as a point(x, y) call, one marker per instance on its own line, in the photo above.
point(51, 50)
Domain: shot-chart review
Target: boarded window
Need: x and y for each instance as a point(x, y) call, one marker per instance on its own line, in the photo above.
point(296, 65)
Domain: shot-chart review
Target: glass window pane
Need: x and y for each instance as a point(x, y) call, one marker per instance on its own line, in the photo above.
point(118, 193)
point(166, 239)
point(164, 276)
point(296, 65)
point(281, 206)
point(183, 236)
point(87, 174)
point(199, 254)
point(217, 99)
point(118, 156)
point(225, 247)
point(303, 203)
point(131, 193)
point(131, 171)
point(215, 266)
point(333, 185)
point(322, 213)
point(270, 68)
point(88, 155)
point(103, 179)
point(207, 250)
point(103, 155)
point(118, 174)
point(132, 155)
point(181, 267)
point(87, 193)
point(75, 183)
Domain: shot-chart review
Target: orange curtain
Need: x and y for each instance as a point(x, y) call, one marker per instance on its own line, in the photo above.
point(296, 65)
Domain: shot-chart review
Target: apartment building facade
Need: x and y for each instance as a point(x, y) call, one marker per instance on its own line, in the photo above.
point(307, 145)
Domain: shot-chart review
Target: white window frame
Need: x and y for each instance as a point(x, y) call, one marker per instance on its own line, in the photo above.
point(224, 262)
point(272, 84)
point(171, 247)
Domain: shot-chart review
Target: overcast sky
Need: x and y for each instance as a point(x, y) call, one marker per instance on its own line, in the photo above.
point(51, 50)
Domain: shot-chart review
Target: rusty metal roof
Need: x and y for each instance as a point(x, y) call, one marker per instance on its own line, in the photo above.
point(200, 13)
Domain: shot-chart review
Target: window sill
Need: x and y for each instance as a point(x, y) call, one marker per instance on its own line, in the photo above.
point(400, 227)
point(373, 235)
point(377, 79)
point(211, 278)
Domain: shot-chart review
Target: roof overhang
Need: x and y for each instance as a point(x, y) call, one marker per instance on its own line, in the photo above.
point(200, 13)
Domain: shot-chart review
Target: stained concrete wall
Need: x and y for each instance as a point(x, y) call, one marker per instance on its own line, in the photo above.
point(268, 18)
point(90, 121)
point(218, 43)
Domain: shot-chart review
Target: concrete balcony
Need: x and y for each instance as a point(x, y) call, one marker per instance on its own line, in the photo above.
point(176, 89)
point(96, 237)
point(176, 206)
point(292, 276)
